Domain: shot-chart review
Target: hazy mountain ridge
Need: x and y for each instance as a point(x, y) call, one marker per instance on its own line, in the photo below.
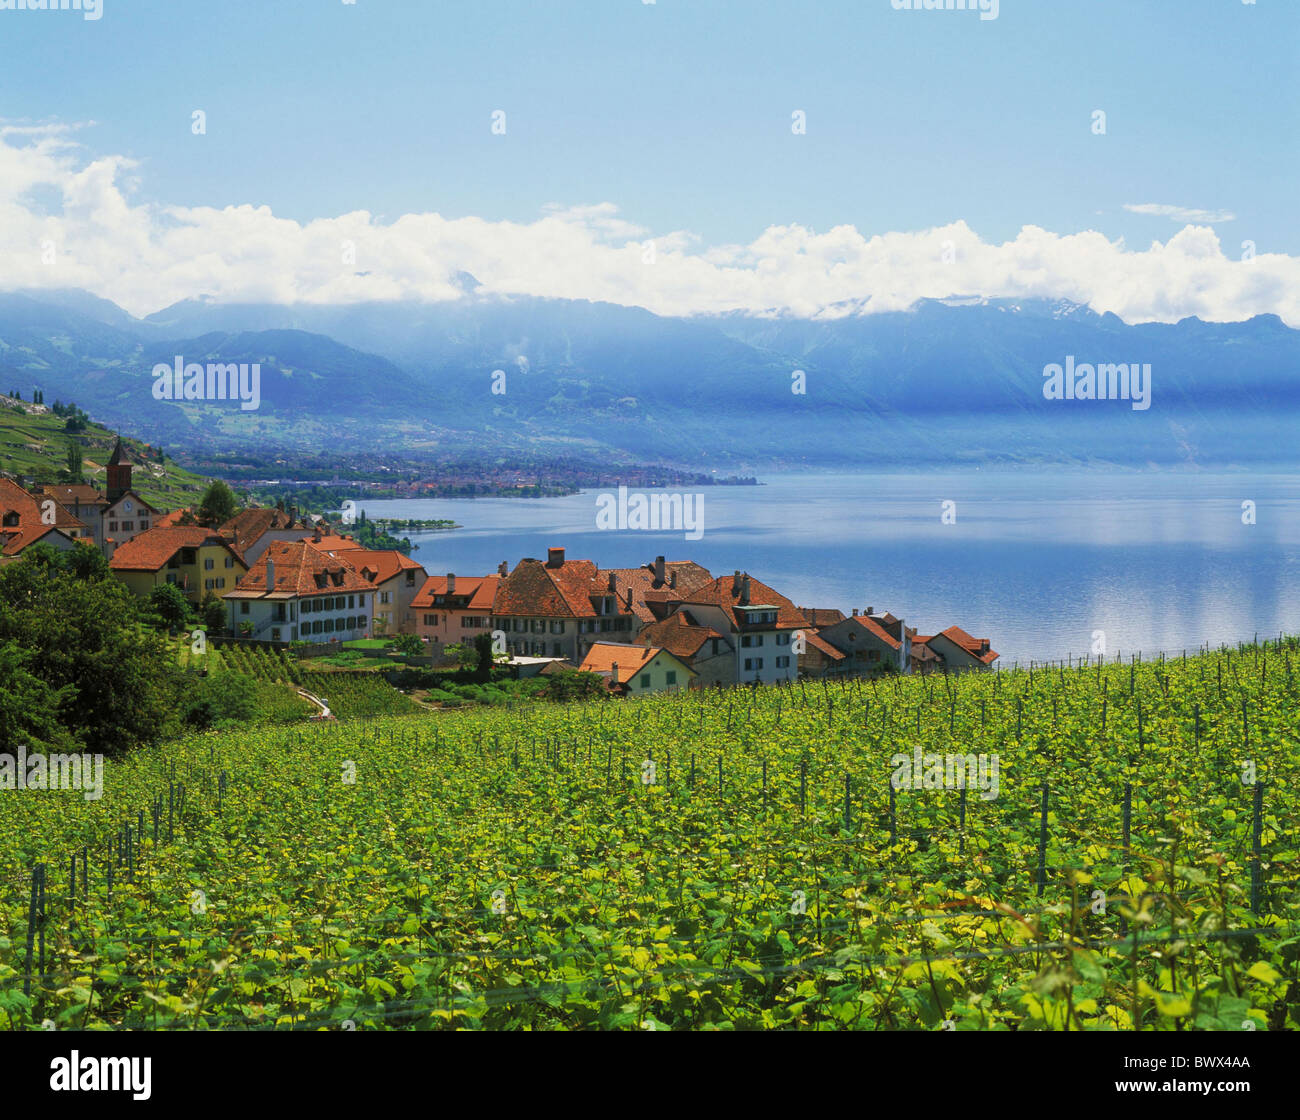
point(956, 380)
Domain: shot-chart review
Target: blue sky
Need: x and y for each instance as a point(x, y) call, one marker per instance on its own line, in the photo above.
point(678, 114)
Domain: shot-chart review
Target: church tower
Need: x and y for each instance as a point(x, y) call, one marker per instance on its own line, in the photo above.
point(119, 473)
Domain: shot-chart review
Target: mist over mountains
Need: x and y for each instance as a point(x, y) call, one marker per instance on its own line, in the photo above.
point(947, 382)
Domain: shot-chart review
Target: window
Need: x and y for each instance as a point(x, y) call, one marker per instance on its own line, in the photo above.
point(873, 655)
point(144, 524)
point(431, 620)
point(351, 601)
point(112, 526)
point(128, 526)
point(749, 663)
point(208, 584)
point(783, 662)
point(783, 639)
point(243, 607)
point(317, 626)
point(329, 626)
point(275, 633)
point(672, 676)
point(209, 564)
point(645, 680)
point(230, 560)
point(385, 597)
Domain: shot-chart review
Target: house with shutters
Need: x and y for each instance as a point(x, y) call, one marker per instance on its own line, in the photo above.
point(454, 610)
point(295, 592)
point(707, 652)
point(637, 669)
point(960, 652)
point(198, 561)
point(869, 644)
point(395, 578)
point(27, 519)
point(757, 621)
point(112, 516)
point(254, 530)
point(560, 607)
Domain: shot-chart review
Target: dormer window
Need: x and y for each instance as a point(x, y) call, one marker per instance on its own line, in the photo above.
point(11, 518)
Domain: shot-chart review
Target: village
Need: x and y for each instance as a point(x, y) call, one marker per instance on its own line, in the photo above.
point(282, 579)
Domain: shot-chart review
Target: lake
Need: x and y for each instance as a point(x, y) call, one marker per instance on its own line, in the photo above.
point(1036, 561)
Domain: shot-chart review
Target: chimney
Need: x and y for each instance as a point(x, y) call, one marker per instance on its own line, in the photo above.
point(613, 673)
point(735, 582)
point(270, 574)
point(503, 569)
point(744, 590)
point(613, 582)
point(855, 611)
point(870, 612)
point(659, 571)
point(554, 557)
point(672, 580)
point(903, 647)
point(451, 583)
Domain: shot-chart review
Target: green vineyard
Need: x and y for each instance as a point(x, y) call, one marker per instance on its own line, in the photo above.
point(1123, 857)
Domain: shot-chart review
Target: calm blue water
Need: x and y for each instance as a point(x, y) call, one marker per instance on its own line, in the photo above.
point(1035, 561)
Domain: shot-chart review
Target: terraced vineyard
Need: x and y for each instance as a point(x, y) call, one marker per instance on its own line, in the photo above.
point(351, 694)
point(726, 860)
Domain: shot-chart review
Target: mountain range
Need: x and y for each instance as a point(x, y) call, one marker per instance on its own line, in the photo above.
point(953, 381)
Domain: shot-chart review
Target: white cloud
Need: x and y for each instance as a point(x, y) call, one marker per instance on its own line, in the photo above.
point(1179, 213)
point(144, 257)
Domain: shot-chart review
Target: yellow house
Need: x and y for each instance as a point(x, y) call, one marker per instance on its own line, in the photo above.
point(637, 669)
point(198, 561)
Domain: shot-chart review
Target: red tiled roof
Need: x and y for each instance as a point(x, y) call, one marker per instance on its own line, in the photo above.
point(79, 494)
point(565, 591)
point(150, 550)
point(603, 656)
point(170, 520)
point(327, 542)
point(14, 499)
point(973, 646)
point(822, 646)
point(819, 617)
point(383, 563)
point(679, 635)
point(725, 592)
point(300, 570)
point(479, 593)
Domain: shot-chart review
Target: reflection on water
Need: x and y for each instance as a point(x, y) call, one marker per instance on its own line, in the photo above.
point(1034, 562)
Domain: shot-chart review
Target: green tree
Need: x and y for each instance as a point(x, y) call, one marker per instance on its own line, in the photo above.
point(218, 505)
point(168, 603)
point(29, 708)
point(483, 648)
point(115, 682)
point(410, 644)
point(213, 614)
point(86, 562)
point(75, 472)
